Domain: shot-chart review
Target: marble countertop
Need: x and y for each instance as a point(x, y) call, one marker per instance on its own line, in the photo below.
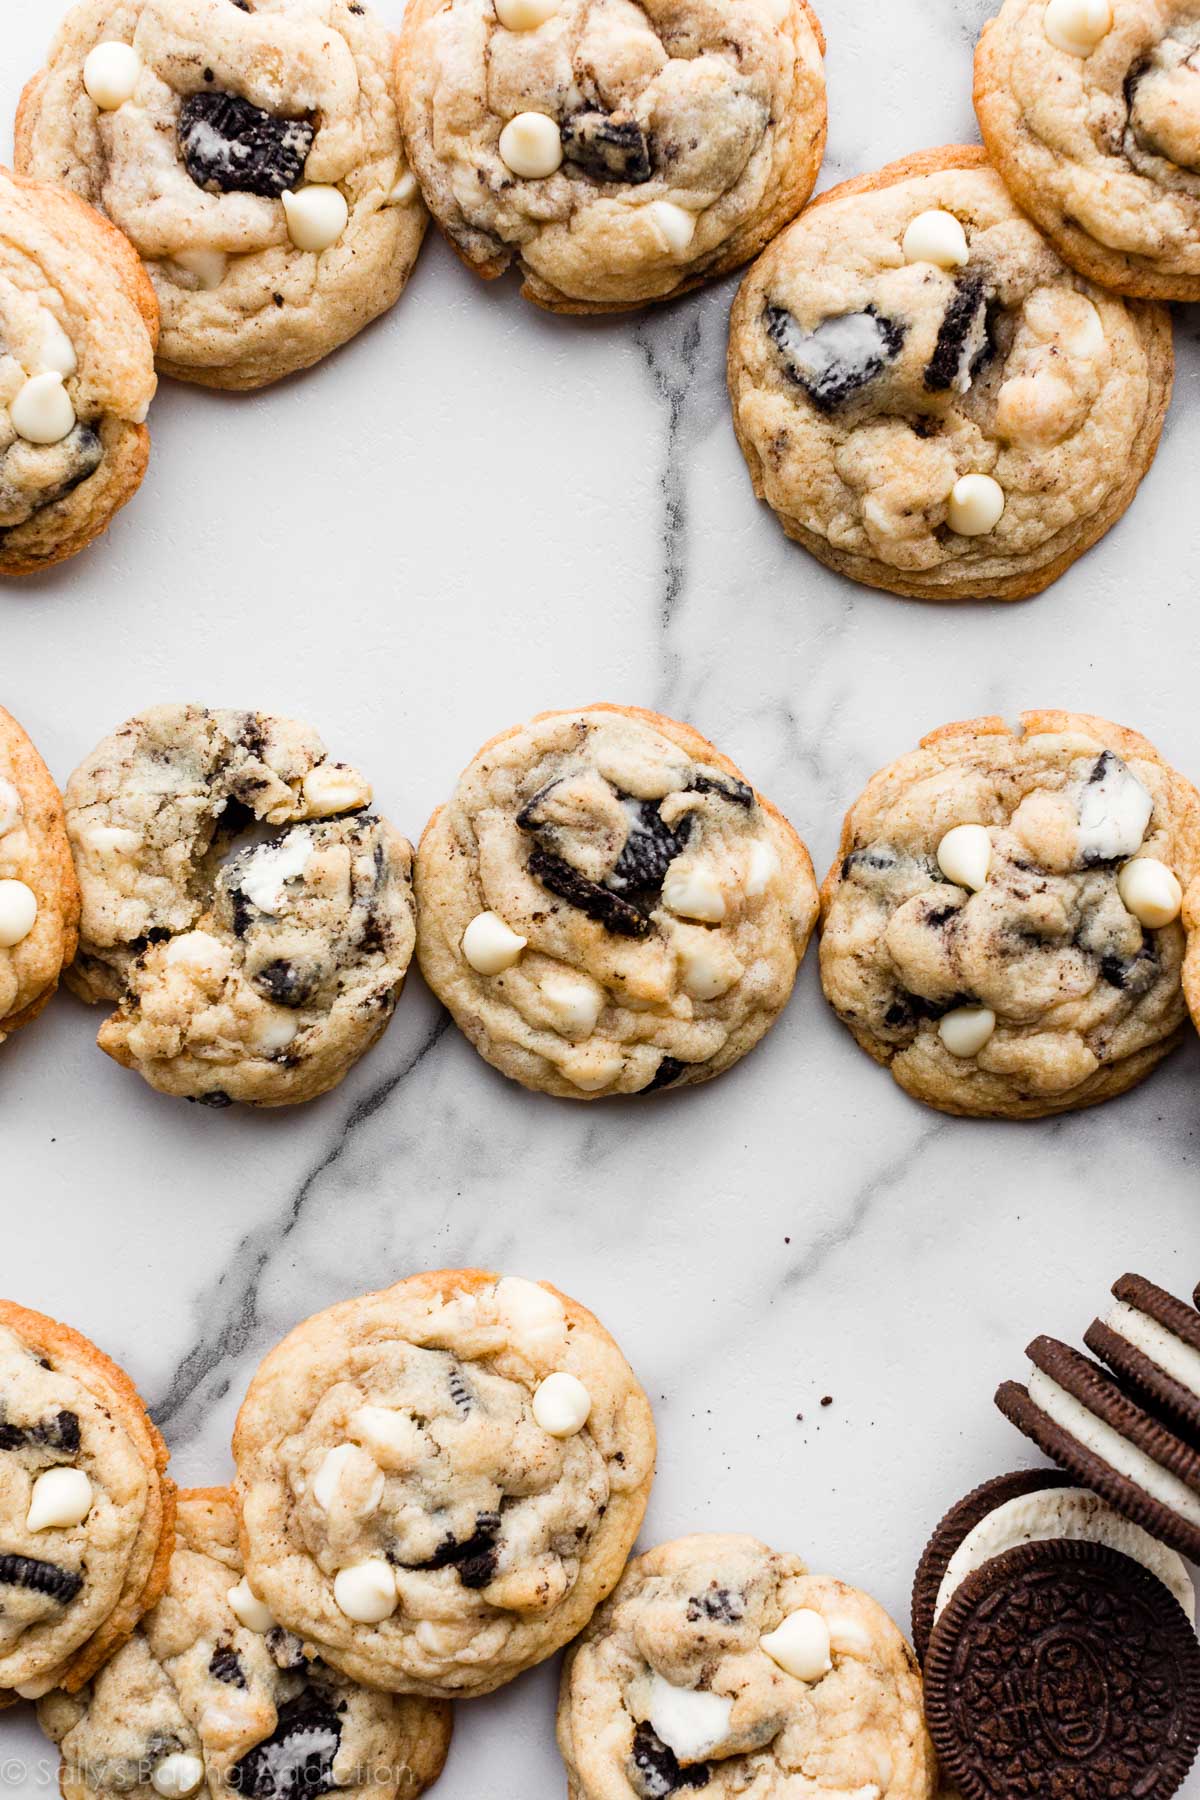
point(473, 513)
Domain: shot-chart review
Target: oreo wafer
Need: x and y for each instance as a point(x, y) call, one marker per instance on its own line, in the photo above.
point(1151, 1342)
point(1076, 1413)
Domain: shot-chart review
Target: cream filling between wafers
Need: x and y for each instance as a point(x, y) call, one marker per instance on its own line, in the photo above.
point(1175, 1358)
point(1094, 1435)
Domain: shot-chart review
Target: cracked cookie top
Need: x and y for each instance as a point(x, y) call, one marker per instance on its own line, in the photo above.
point(252, 920)
point(722, 1668)
point(211, 1697)
point(439, 1483)
point(250, 150)
point(85, 1507)
point(39, 895)
point(1002, 923)
point(1091, 112)
point(929, 399)
point(607, 907)
point(78, 327)
point(616, 152)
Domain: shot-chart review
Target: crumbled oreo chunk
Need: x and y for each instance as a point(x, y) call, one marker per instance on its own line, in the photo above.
point(609, 148)
point(650, 848)
point(287, 1651)
point(40, 1578)
point(296, 1761)
point(475, 1558)
point(61, 467)
point(218, 1099)
point(738, 793)
point(963, 342)
point(668, 1070)
point(59, 1433)
point(841, 357)
point(1131, 974)
point(907, 1009)
point(285, 983)
point(719, 1604)
point(460, 1393)
point(599, 903)
point(231, 147)
point(657, 1773)
point(226, 1665)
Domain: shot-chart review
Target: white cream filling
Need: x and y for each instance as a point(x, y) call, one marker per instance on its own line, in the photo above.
point(1175, 1358)
point(1122, 1456)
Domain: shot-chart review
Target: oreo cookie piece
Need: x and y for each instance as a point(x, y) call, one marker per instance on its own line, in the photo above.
point(840, 357)
point(231, 147)
point(599, 903)
point(1063, 1669)
point(607, 148)
point(962, 340)
point(1078, 1416)
point(1151, 1342)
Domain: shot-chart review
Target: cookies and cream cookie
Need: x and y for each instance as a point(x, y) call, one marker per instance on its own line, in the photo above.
point(250, 150)
point(929, 399)
point(39, 895)
point(211, 1697)
point(614, 152)
point(724, 1668)
point(1002, 922)
point(86, 1509)
point(1090, 110)
point(250, 918)
point(439, 1483)
point(607, 907)
point(78, 327)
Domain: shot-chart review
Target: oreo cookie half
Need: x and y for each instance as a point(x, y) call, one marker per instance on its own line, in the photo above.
point(1078, 1416)
point(1063, 1669)
point(1151, 1342)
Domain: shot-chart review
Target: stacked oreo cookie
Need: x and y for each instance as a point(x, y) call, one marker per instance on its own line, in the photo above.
point(1053, 1612)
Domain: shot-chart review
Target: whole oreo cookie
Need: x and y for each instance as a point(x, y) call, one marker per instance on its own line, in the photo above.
point(1151, 1342)
point(1063, 1668)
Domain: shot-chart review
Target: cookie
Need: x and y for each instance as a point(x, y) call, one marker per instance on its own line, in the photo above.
point(929, 399)
point(1063, 1668)
point(1035, 1506)
point(1087, 111)
point(251, 920)
point(78, 328)
point(614, 155)
point(86, 1508)
point(439, 1483)
point(39, 895)
point(722, 1667)
point(1077, 1415)
point(1001, 922)
point(210, 1697)
point(1151, 1342)
point(607, 907)
point(251, 153)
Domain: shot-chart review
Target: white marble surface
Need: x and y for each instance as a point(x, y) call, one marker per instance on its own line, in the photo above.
point(472, 513)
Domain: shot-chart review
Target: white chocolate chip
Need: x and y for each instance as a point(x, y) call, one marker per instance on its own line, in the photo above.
point(60, 1497)
point(976, 505)
point(525, 15)
point(178, 1776)
point(688, 1722)
point(274, 1030)
point(404, 189)
point(709, 967)
point(110, 74)
point(366, 1591)
point(535, 1315)
point(316, 216)
point(593, 1066)
point(1035, 409)
point(531, 146)
point(675, 227)
point(392, 1438)
point(42, 412)
point(562, 1405)
point(761, 869)
point(18, 913)
point(351, 1478)
point(198, 950)
point(1151, 892)
point(801, 1645)
point(490, 946)
point(1077, 26)
point(264, 875)
point(333, 788)
point(693, 892)
point(11, 809)
point(936, 237)
point(967, 1029)
point(575, 1001)
point(249, 1610)
point(1082, 333)
point(57, 353)
point(208, 266)
point(965, 856)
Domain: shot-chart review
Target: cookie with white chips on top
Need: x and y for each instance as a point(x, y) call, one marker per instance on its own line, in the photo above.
point(439, 1483)
point(1001, 926)
point(39, 895)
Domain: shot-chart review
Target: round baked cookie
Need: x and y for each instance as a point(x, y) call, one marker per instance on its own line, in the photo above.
point(616, 152)
point(39, 895)
point(929, 399)
point(1001, 923)
point(78, 327)
point(1091, 113)
point(86, 1508)
point(251, 920)
point(607, 907)
point(439, 1483)
point(250, 150)
point(722, 1667)
point(211, 1697)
